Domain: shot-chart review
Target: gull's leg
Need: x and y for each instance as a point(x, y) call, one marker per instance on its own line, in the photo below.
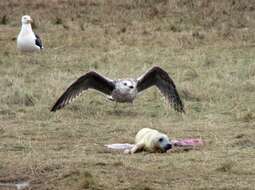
point(115, 102)
point(132, 105)
point(116, 106)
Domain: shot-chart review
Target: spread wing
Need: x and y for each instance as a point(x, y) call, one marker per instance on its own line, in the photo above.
point(89, 80)
point(160, 78)
point(38, 41)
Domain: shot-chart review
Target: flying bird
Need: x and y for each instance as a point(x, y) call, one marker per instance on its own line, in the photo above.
point(123, 90)
point(27, 40)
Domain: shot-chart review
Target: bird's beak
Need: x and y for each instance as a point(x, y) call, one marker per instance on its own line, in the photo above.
point(30, 20)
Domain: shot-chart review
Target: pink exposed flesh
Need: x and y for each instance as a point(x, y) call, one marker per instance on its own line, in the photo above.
point(187, 142)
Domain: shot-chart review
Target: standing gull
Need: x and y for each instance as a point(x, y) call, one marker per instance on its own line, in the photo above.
point(123, 90)
point(27, 40)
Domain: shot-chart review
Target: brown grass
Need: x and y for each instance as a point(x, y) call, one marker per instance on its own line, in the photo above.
point(206, 46)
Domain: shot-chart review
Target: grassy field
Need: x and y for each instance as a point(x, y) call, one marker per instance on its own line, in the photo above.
point(207, 47)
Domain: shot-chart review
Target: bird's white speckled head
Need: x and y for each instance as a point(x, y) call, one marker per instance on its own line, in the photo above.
point(126, 85)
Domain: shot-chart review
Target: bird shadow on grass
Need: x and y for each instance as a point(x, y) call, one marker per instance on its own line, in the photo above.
point(118, 112)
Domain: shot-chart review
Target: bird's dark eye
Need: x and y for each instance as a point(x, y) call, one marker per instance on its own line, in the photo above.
point(125, 84)
point(161, 139)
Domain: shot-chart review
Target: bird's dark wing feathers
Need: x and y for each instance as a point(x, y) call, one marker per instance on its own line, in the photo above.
point(89, 80)
point(160, 78)
point(38, 41)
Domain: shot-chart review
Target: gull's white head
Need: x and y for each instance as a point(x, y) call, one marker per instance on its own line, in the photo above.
point(26, 19)
point(127, 85)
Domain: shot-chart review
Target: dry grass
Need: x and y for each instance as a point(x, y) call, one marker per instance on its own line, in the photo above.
point(206, 46)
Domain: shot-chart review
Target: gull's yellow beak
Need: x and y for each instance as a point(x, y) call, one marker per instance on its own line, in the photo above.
point(30, 20)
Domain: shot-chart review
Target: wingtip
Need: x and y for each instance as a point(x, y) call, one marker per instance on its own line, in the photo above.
point(53, 110)
point(183, 111)
point(180, 110)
